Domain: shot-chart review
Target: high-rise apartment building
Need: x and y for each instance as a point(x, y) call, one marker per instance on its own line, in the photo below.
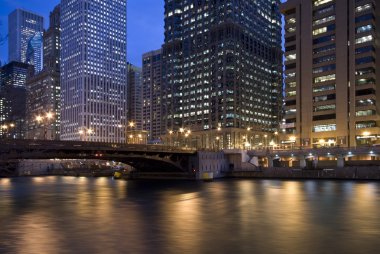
point(332, 86)
point(93, 70)
point(151, 102)
point(44, 91)
point(222, 69)
point(23, 26)
point(134, 100)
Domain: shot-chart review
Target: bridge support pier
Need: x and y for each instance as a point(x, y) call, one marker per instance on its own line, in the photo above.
point(302, 161)
point(340, 161)
point(270, 161)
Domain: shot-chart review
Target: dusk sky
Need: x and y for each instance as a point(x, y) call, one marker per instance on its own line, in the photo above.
point(145, 23)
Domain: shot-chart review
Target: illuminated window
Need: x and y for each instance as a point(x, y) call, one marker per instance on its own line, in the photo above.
point(364, 39)
point(324, 127)
point(324, 78)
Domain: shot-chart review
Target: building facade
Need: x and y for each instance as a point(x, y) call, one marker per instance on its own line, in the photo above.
point(93, 70)
point(151, 102)
point(13, 99)
point(134, 100)
point(332, 84)
point(34, 51)
point(44, 91)
point(22, 27)
point(222, 68)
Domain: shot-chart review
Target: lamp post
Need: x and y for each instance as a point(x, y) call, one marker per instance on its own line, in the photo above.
point(170, 137)
point(45, 120)
point(85, 132)
point(265, 140)
point(293, 141)
point(5, 128)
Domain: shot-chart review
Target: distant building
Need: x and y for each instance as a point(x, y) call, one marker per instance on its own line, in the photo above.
point(151, 94)
point(22, 27)
point(44, 91)
point(134, 92)
point(13, 100)
point(94, 70)
point(332, 72)
point(222, 69)
point(34, 52)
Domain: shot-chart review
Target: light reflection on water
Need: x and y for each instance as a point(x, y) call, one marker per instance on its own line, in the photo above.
point(99, 215)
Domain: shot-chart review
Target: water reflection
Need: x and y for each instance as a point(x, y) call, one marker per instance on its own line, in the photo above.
point(100, 215)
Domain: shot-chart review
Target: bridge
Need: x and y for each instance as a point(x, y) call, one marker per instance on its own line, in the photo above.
point(144, 158)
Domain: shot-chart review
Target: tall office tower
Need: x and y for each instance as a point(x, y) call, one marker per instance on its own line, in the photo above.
point(331, 79)
point(93, 70)
point(134, 100)
point(52, 41)
point(13, 99)
point(22, 27)
point(34, 52)
point(222, 69)
point(151, 104)
point(44, 91)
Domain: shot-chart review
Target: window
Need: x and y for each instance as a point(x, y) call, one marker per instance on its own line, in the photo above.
point(363, 29)
point(323, 88)
point(291, 84)
point(324, 127)
point(364, 60)
point(323, 39)
point(323, 20)
point(364, 49)
point(365, 92)
point(291, 57)
point(324, 10)
point(324, 29)
point(364, 71)
point(365, 124)
point(364, 39)
point(324, 117)
point(323, 59)
point(324, 78)
point(290, 48)
point(324, 107)
point(291, 21)
point(327, 97)
point(365, 112)
point(365, 81)
point(364, 18)
point(291, 93)
point(363, 7)
point(330, 67)
point(320, 2)
point(324, 49)
point(365, 102)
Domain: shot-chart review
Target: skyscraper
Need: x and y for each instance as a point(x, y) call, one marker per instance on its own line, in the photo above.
point(34, 51)
point(222, 69)
point(22, 27)
point(13, 99)
point(44, 91)
point(134, 100)
point(332, 88)
point(93, 70)
point(151, 101)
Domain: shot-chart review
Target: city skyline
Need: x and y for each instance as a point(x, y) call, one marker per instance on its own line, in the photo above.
point(145, 17)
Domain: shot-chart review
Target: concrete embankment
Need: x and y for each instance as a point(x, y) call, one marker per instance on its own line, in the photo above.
point(348, 173)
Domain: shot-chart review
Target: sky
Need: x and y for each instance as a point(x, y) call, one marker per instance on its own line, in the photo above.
point(145, 24)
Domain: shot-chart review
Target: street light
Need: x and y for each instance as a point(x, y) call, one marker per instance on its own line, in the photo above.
point(293, 141)
point(45, 120)
point(86, 132)
point(265, 137)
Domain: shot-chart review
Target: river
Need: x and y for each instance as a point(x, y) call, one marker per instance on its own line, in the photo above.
point(56, 215)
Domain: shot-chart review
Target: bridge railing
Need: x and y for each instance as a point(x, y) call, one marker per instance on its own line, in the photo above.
point(79, 145)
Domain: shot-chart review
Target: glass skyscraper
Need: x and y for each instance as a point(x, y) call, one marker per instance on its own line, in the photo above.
point(22, 26)
point(34, 51)
point(93, 70)
point(222, 70)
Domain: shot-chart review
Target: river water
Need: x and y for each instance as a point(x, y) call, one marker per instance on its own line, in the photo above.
point(100, 215)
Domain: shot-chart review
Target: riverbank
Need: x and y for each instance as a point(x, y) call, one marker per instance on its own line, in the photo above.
point(348, 173)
